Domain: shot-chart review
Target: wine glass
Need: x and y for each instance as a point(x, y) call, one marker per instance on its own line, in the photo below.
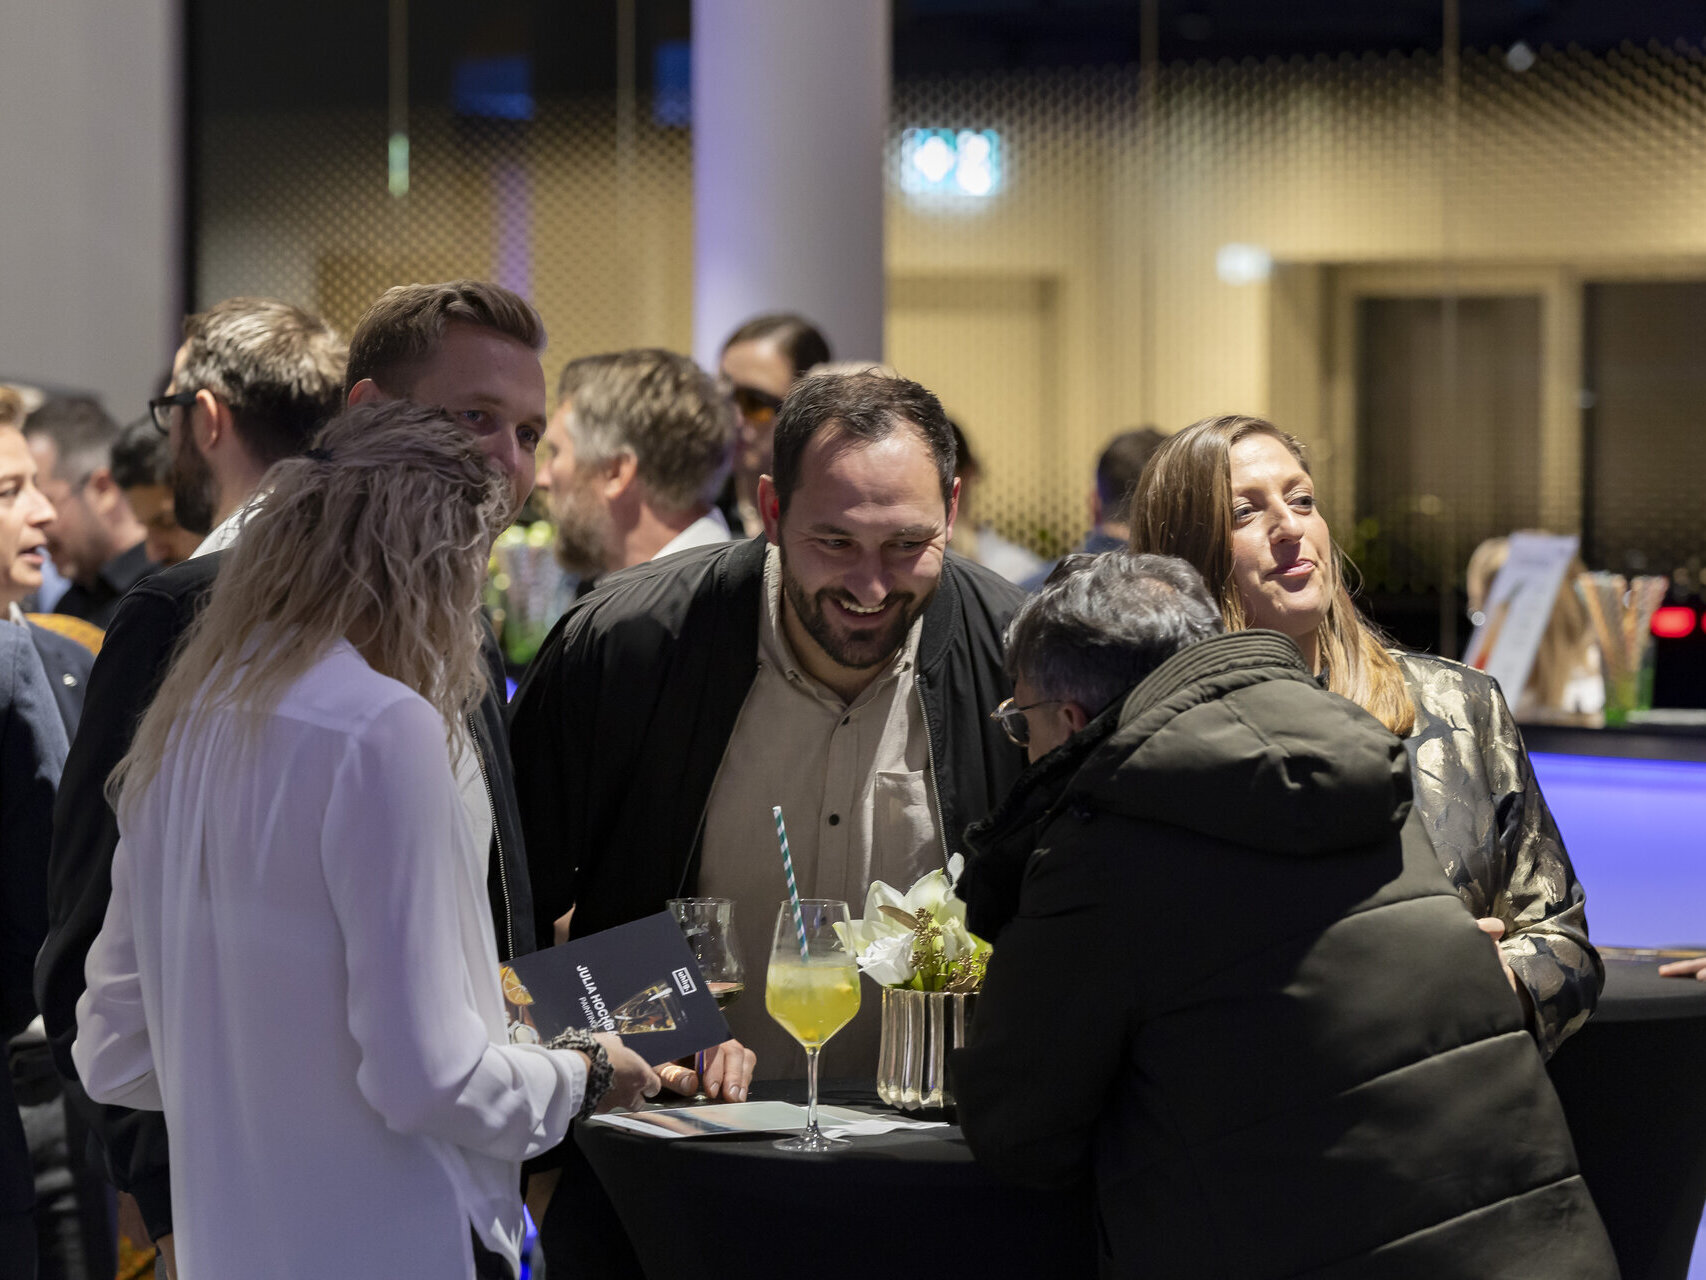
point(813, 991)
point(708, 924)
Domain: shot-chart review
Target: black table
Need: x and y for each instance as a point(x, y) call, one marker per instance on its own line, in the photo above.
point(908, 1202)
point(1633, 1084)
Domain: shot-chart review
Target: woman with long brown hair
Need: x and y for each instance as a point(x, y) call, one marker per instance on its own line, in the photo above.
point(298, 963)
point(1233, 495)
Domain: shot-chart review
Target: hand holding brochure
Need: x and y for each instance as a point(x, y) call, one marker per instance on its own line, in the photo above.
point(638, 980)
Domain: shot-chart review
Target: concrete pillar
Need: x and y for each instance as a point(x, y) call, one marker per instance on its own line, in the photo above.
point(790, 113)
point(90, 194)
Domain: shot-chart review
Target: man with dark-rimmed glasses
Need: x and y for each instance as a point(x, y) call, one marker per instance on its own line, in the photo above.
point(251, 383)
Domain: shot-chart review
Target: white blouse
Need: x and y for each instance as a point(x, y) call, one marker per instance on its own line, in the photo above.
point(297, 965)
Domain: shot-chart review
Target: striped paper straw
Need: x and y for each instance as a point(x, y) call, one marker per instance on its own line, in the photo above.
point(793, 889)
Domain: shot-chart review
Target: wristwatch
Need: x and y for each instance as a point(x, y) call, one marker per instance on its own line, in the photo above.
point(600, 1074)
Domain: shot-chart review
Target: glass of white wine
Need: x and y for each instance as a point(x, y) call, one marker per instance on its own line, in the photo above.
point(813, 990)
point(709, 926)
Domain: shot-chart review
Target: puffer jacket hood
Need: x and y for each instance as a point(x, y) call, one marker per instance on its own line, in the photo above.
point(1232, 738)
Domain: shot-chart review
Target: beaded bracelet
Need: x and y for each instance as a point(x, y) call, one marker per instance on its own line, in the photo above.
point(600, 1074)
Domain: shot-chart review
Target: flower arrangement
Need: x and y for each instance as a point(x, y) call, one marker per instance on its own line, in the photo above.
point(918, 940)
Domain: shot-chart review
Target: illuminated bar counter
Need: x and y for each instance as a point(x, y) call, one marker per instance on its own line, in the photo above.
point(1631, 805)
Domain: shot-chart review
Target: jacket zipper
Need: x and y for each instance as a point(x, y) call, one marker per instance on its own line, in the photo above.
point(497, 838)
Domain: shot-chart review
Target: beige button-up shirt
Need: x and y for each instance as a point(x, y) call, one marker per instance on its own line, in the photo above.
point(854, 783)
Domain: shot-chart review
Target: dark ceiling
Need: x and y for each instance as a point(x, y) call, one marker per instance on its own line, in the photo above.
point(268, 54)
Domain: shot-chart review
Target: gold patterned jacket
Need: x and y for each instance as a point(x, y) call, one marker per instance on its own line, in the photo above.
point(1476, 793)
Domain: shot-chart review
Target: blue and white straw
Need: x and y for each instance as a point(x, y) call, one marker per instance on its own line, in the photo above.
point(793, 889)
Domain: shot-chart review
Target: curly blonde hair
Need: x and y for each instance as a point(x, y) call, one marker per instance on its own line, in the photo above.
point(380, 536)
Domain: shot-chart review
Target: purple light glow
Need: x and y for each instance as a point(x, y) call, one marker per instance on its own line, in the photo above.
point(1636, 832)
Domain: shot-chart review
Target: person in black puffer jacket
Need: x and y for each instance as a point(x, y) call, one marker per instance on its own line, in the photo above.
point(1275, 1042)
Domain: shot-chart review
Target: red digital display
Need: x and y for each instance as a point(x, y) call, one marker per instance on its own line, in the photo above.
point(1673, 622)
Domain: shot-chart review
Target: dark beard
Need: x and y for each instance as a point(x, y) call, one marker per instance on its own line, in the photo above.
point(584, 538)
point(192, 487)
point(859, 650)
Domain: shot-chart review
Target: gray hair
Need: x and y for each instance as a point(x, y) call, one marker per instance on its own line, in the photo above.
point(81, 432)
point(660, 407)
point(1102, 623)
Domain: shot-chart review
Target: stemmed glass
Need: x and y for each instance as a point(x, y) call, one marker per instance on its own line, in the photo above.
point(813, 995)
point(709, 926)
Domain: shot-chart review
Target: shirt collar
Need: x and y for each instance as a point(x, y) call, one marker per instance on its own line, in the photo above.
point(226, 531)
point(708, 528)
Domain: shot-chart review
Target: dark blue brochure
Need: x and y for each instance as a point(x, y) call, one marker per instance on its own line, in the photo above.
point(638, 980)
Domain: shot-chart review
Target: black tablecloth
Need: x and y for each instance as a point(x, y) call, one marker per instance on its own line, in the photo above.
point(909, 1202)
point(1633, 1084)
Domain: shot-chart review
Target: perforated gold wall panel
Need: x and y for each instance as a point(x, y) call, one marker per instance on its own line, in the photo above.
point(1083, 296)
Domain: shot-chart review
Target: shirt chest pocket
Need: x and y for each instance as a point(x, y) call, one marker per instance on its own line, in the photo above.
point(905, 839)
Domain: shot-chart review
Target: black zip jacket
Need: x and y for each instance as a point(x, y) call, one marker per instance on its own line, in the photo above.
point(619, 726)
point(1239, 995)
point(133, 660)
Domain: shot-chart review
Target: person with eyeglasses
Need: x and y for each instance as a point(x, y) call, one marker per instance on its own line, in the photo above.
point(1214, 893)
point(759, 364)
point(252, 381)
point(94, 538)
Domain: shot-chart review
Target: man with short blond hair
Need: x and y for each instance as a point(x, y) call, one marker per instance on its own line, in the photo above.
point(635, 455)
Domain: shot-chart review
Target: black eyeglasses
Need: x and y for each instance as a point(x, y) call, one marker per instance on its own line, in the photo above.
point(160, 408)
point(1012, 719)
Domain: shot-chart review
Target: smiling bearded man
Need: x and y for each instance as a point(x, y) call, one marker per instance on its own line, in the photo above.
point(843, 667)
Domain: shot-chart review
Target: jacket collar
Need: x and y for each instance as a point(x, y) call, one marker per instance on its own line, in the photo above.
point(1240, 657)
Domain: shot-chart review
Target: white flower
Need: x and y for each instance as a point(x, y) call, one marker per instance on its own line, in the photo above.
point(888, 960)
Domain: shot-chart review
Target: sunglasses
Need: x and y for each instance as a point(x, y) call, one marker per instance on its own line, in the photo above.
point(758, 407)
point(1012, 719)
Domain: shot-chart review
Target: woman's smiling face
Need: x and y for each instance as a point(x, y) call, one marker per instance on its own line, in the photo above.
point(1280, 543)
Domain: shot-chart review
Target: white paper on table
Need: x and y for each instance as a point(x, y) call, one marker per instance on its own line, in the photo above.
point(729, 1118)
point(867, 1126)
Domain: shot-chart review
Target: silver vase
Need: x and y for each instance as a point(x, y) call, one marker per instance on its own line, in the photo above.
point(919, 1028)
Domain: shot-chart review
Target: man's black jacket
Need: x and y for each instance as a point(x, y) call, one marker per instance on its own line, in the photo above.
point(620, 724)
point(134, 658)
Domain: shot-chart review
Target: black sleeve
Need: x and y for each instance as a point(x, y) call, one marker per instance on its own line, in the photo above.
point(131, 663)
point(1047, 1045)
point(549, 766)
point(32, 752)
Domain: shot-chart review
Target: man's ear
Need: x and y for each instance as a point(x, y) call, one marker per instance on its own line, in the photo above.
point(212, 426)
point(953, 507)
point(1076, 716)
point(770, 509)
point(366, 392)
point(103, 491)
point(620, 473)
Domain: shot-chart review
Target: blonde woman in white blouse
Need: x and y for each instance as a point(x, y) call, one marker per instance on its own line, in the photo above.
point(297, 964)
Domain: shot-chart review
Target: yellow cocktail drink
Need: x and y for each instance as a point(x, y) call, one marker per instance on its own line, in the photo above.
point(812, 1001)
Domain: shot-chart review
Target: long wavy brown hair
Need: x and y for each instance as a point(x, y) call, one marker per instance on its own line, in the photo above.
point(379, 536)
point(1183, 507)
